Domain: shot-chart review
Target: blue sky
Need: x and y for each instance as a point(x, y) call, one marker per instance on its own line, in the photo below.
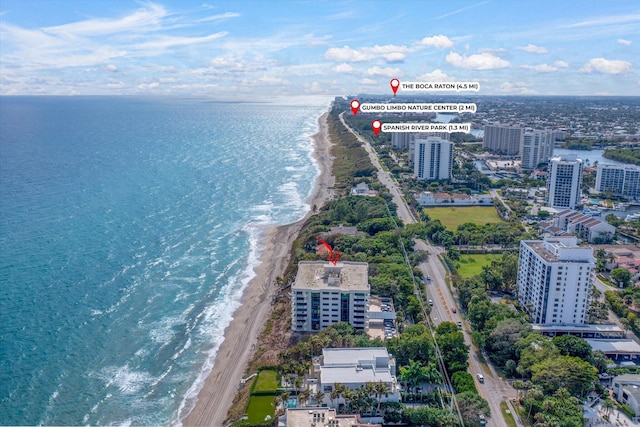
point(264, 49)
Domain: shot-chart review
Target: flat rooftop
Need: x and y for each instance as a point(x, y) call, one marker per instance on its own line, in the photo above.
point(323, 275)
point(615, 346)
point(304, 417)
point(576, 328)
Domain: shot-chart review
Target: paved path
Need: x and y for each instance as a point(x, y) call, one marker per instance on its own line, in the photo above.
point(494, 389)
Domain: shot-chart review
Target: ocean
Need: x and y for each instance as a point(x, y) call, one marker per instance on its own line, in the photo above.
point(129, 228)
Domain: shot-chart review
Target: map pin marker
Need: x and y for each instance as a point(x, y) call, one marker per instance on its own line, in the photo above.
point(395, 84)
point(376, 125)
point(355, 106)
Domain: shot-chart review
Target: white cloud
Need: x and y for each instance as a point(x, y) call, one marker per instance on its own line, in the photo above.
point(435, 76)
point(531, 48)
point(368, 82)
point(220, 17)
point(273, 81)
point(142, 18)
point(385, 72)
point(440, 41)
point(480, 61)
point(606, 66)
point(314, 87)
point(390, 53)
point(344, 68)
point(561, 64)
point(520, 88)
point(146, 86)
point(542, 68)
point(111, 67)
point(624, 42)
point(171, 41)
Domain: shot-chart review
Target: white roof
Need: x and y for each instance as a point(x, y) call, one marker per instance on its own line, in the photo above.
point(349, 375)
point(615, 346)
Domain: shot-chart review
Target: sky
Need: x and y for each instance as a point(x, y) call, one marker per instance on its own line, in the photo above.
point(259, 49)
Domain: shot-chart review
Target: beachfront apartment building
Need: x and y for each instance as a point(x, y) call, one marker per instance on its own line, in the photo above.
point(565, 181)
point(433, 158)
point(354, 368)
point(324, 294)
point(536, 147)
point(503, 139)
point(555, 280)
point(620, 180)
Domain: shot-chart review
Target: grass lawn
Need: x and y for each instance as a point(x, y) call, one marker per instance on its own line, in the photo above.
point(508, 417)
point(267, 380)
point(452, 217)
point(259, 407)
point(471, 265)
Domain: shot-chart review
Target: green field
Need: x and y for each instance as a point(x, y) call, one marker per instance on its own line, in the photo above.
point(452, 217)
point(471, 265)
point(259, 407)
point(267, 380)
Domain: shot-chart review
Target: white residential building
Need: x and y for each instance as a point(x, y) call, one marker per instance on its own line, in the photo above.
point(536, 148)
point(627, 391)
point(565, 181)
point(404, 140)
point(503, 139)
point(555, 278)
point(324, 294)
point(321, 417)
point(433, 158)
point(584, 226)
point(354, 368)
point(621, 180)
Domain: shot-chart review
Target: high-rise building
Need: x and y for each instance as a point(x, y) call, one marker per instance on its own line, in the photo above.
point(433, 158)
point(564, 182)
point(536, 148)
point(503, 139)
point(403, 140)
point(555, 279)
point(621, 180)
point(324, 294)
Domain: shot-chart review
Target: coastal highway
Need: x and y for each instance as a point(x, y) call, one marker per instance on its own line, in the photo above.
point(494, 389)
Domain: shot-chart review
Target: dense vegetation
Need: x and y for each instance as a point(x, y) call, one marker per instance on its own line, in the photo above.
point(625, 155)
point(553, 373)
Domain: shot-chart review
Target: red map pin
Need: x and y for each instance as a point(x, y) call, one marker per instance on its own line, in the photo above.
point(395, 84)
point(355, 106)
point(376, 125)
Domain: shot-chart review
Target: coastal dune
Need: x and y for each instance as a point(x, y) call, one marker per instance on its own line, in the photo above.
point(240, 337)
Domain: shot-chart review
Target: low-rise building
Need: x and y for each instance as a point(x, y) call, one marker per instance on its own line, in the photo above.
point(626, 388)
point(324, 294)
point(354, 368)
point(427, 198)
point(322, 417)
point(584, 226)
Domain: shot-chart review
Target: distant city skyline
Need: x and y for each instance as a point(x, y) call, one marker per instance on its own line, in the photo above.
point(258, 50)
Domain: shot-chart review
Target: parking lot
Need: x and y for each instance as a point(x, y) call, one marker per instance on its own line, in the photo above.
point(379, 328)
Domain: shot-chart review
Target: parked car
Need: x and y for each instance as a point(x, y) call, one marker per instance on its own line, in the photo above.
point(454, 309)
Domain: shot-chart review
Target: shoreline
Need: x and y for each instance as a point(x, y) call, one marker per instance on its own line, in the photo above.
point(240, 337)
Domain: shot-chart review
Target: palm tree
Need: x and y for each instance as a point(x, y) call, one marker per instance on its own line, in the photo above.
point(319, 396)
point(381, 388)
point(303, 397)
point(607, 405)
point(348, 396)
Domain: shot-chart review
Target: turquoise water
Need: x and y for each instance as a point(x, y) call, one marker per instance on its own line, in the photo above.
point(129, 228)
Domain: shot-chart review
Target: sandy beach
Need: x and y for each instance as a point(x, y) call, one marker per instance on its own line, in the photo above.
point(216, 396)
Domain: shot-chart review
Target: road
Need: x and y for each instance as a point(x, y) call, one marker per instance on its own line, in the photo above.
point(495, 389)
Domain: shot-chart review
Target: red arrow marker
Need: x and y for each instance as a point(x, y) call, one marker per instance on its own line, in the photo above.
point(355, 106)
point(376, 125)
point(395, 84)
point(331, 257)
